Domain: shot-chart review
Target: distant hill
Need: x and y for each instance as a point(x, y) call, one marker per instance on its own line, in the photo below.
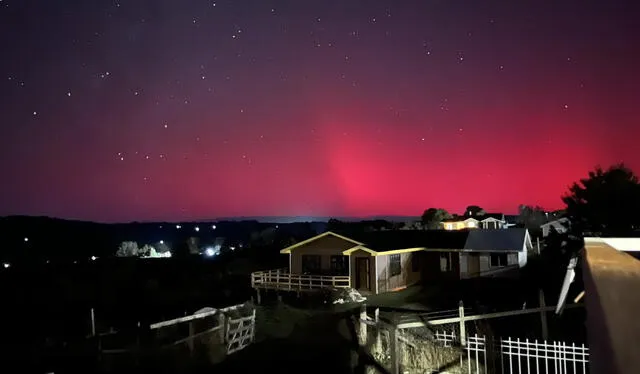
point(293, 219)
point(44, 238)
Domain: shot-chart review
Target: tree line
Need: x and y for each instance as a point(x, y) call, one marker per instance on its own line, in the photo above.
point(605, 203)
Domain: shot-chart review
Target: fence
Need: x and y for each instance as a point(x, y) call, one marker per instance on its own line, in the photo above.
point(282, 279)
point(235, 327)
point(209, 335)
point(400, 351)
point(524, 356)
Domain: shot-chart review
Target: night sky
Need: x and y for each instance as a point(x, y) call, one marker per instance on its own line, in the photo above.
point(175, 110)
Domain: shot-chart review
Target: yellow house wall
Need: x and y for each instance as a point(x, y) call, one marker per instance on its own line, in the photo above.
point(405, 278)
point(326, 247)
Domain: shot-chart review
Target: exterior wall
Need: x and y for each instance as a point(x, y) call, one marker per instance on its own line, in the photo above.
point(326, 246)
point(475, 264)
point(521, 258)
point(406, 277)
point(492, 223)
point(469, 265)
point(430, 267)
point(468, 223)
point(372, 268)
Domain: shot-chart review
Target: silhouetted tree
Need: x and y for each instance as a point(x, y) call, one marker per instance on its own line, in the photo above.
point(335, 224)
point(432, 217)
point(532, 217)
point(607, 202)
point(127, 249)
point(474, 210)
point(193, 244)
point(182, 250)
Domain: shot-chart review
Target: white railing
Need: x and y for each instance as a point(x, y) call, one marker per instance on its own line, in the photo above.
point(444, 351)
point(526, 357)
point(281, 279)
point(235, 328)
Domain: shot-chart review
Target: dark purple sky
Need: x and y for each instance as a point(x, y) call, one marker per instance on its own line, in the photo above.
point(173, 110)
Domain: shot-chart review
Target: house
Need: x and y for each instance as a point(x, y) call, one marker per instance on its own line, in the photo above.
point(479, 221)
point(560, 225)
point(485, 253)
point(382, 261)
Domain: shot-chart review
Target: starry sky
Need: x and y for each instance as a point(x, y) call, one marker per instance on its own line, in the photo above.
point(176, 110)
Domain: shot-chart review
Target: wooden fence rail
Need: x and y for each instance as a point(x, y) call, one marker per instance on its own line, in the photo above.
point(230, 328)
point(282, 279)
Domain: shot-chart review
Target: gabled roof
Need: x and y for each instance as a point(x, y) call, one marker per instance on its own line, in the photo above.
point(563, 221)
point(477, 217)
point(328, 233)
point(498, 216)
point(497, 240)
point(401, 241)
point(384, 241)
point(461, 219)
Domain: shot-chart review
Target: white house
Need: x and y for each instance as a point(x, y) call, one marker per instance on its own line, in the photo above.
point(480, 221)
point(560, 225)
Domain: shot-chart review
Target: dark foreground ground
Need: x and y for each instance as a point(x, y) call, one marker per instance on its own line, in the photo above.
point(323, 343)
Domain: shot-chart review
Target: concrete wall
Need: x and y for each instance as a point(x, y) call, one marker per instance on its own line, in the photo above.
point(611, 280)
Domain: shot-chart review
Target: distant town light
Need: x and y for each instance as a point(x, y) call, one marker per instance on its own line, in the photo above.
point(209, 252)
point(93, 258)
point(161, 241)
point(213, 227)
point(26, 239)
point(197, 228)
point(178, 227)
point(6, 265)
point(232, 248)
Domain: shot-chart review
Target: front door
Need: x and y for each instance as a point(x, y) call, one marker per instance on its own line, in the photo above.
point(363, 280)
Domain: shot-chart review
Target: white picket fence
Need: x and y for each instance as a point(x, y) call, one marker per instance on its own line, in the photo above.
point(445, 352)
point(519, 356)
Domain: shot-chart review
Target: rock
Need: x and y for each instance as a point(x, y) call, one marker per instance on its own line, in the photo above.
point(346, 295)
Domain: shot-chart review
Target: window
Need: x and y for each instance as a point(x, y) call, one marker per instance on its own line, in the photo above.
point(415, 262)
point(339, 265)
point(445, 262)
point(311, 264)
point(395, 267)
point(498, 260)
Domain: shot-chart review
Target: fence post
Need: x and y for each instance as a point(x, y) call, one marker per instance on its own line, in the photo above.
point(393, 345)
point(463, 332)
point(93, 322)
point(253, 326)
point(190, 342)
point(543, 316)
point(362, 336)
point(221, 323)
point(378, 342)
